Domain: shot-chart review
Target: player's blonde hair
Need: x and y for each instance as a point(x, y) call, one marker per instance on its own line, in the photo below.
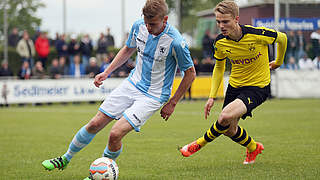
point(227, 7)
point(154, 8)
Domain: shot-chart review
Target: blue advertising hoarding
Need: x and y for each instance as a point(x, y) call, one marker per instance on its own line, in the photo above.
point(286, 24)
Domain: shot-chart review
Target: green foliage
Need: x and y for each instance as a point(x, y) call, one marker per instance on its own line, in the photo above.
point(287, 128)
point(189, 8)
point(21, 14)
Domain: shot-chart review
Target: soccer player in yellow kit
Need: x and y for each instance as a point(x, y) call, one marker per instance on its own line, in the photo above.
point(247, 49)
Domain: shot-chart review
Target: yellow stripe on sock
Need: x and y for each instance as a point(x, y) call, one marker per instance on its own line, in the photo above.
point(216, 129)
point(210, 135)
point(240, 133)
point(245, 139)
point(201, 141)
point(252, 145)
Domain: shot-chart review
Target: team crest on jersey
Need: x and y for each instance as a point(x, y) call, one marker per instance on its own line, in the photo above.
point(162, 49)
point(251, 47)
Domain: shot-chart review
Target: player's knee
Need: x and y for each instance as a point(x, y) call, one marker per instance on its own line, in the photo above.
point(231, 132)
point(224, 119)
point(94, 126)
point(114, 136)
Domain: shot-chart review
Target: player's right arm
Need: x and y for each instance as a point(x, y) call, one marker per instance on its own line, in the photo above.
point(123, 55)
point(217, 76)
point(216, 79)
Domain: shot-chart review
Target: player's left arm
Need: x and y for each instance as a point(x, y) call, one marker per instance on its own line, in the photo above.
point(281, 50)
point(181, 53)
point(168, 108)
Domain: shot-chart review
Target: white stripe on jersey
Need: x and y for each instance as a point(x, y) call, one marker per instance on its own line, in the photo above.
point(142, 35)
point(159, 66)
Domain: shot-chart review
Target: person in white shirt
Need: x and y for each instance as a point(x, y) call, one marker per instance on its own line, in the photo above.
point(305, 63)
point(316, 62)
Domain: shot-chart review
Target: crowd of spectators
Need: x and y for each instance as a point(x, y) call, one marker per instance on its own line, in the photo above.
point(74, 55)
point(297, 57)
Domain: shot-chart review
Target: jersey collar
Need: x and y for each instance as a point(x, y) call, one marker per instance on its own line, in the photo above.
point(243, 33)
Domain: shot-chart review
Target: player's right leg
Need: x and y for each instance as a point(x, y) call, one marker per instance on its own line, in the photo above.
point(80, 140)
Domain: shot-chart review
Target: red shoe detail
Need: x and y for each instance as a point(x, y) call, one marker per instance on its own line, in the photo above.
point(251, 157)
point(190, 149)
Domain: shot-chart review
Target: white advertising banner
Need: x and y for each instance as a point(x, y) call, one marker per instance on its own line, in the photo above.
point(52, 90)
point(296, 84)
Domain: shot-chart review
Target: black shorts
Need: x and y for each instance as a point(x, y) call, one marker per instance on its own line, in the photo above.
point(251, 96)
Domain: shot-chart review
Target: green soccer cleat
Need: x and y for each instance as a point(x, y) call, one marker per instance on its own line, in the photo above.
point(59, 162)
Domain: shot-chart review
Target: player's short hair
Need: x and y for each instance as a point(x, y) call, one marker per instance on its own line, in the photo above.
point(227, 7)
point(154, 8)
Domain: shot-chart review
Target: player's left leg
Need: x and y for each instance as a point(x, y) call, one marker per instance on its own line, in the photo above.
point(133, 118)
point(250, 97)
point(118, 131)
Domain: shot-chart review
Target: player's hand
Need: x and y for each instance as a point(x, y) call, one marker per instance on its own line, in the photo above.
point(99, 78)
point(167, 110)
point(208, 107)
point(273, 65)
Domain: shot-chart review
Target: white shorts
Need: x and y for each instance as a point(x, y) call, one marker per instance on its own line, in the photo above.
point(126, 100)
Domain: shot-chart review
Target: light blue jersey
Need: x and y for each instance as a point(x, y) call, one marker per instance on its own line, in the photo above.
point(157, 59)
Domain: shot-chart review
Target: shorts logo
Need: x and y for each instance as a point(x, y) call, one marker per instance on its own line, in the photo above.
point(228, 51)
point(249, 101)
point(136, 118)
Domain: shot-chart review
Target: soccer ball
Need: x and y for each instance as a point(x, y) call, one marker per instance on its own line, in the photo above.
point(104, 169)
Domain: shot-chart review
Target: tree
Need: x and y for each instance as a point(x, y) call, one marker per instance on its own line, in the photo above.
point(189, 8)
point(21, 14)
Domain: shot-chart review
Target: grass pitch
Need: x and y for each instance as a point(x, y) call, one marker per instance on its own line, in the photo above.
point(289, 130)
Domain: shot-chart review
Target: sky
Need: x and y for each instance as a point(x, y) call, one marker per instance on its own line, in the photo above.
point(92, 16)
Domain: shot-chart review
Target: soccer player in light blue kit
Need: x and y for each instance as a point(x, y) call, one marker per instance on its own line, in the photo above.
point(160, 50)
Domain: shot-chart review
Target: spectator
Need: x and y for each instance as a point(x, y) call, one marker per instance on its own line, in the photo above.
point(92, 69)
point(207, 65)
point(292, 64)
point(196, 65)
point(73, 48)
point(207, 44)
point(13, 38)
point(109, 38)
point(76, 68)
point(42, 47)
point(5, 70)
point(316, 62)
point(25, 71)
point(102, 49)
point(305, 63)
point(301, 48)
point(315, 40)
point(63, 67)
point(105, 64)
point(61, 46)
point(36, 35)
point(38, 71)
point(25, 49)
point(54, 70)
point(4, 94)
point(292, 44)
point(124, 69)
point(54, 41)
point(86, 49)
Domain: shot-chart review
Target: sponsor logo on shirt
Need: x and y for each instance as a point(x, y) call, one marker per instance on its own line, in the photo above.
point(246, 61)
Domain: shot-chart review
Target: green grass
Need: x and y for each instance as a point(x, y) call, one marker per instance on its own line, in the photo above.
point(289, 130)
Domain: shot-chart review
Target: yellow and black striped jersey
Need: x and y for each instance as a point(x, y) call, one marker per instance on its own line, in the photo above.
point(248, 56)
